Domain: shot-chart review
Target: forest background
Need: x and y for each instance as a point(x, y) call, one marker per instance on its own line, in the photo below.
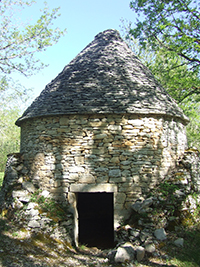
point(165, 35)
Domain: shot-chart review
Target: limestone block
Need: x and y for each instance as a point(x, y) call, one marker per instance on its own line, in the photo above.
point(73, 177)
point(179, 242)
point(34, 224)
point(125, 253)
point(96, 123)
point(71, 198)
point(114, 128)
point(101, 169)
point(29, 187)
point(87, 178)
point(127, 127)
point(19, 193)
point(117, 180)
point(160, 234)
point(119, 206)
point(140, 251)
point(100, 136)
point(115, 160)
point(150, 247)
point(125, 167)
point(136, 122)
point(79, 160)
point(126, 162)
point(32, 212)
point(57, 183)
point(109, 188)
point(119, 198)
point(76, 169)
point(115, 173)
point(99, 151)
point(45, 193)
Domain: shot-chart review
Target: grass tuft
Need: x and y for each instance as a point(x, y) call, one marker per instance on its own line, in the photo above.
point(1, 178)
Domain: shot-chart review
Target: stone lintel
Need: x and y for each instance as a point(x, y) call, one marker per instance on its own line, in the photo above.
point(109, 188)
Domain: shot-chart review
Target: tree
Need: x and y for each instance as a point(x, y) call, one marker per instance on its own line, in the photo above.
point(20, 42)
point(10, 134)
point(173, 27)
point(175, 77)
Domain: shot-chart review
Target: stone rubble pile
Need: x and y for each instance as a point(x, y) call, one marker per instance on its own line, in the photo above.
point(167, 207)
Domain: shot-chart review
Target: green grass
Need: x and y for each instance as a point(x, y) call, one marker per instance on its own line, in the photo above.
point(1, 178)
point(188, 255)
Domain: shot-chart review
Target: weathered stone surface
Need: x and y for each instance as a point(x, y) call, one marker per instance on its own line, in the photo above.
point(18, 193)
point(93, 188)
point(179, 242)
point(160, 234)
point(34, 224)
point(94, 130)
point(115, 173)
point(125, 253)
point(140, 253)
point(29, 187)
point(150, 248)
point(68, 93)
point(87, 178)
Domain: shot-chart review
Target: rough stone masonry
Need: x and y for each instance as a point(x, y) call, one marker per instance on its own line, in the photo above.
point(104, 124)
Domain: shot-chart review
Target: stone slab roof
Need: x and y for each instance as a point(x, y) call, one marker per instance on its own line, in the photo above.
point(105, 77)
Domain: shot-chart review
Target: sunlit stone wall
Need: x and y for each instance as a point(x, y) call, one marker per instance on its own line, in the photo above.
point(123, 154)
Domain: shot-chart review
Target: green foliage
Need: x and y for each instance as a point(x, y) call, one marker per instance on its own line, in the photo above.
point(10, 134)
point(1, 178)
point(188, 256)
point(20, 42)
point(171, 24)
point(49, 206)
point(167, 189)
point(191, 108)
point(167, 40)
point(171, 29)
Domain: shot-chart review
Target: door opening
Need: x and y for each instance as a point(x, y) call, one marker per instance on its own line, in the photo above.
point(95, 215)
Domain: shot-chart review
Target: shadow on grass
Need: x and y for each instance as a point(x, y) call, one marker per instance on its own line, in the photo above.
point(188, 255)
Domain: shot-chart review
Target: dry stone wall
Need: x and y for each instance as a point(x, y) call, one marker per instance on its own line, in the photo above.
point(123, 154)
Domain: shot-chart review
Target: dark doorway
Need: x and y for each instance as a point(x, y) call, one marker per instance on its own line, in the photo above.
point(95, 211)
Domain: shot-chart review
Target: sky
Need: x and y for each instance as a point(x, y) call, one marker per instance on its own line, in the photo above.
point(83, 20)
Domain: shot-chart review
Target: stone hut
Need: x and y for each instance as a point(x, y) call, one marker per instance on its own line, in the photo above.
point(101, 134)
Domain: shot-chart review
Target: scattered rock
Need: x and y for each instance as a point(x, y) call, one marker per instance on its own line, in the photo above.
point(29, 187)
point(140, 253)
point(34, 224)
point(125, 253)
point(45, 193)
point(179, 242)
point(150, 248)
point(160, 234)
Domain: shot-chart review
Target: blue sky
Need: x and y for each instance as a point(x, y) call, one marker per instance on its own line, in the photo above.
point(83, 20)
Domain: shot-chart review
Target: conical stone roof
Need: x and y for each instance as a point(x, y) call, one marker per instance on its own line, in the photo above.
point(106, 77)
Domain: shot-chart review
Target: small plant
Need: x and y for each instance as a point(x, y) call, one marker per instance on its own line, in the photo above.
point(35, 196)
point(1, 178)
point(167, 188)
point(15, 234)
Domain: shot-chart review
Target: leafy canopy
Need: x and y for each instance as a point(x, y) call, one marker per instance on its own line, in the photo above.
point(20, 42)
point(172, 24)
point(166, 37)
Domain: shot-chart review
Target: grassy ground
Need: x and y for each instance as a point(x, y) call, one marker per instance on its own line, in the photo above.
point(188, 255)
point(1, 178)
